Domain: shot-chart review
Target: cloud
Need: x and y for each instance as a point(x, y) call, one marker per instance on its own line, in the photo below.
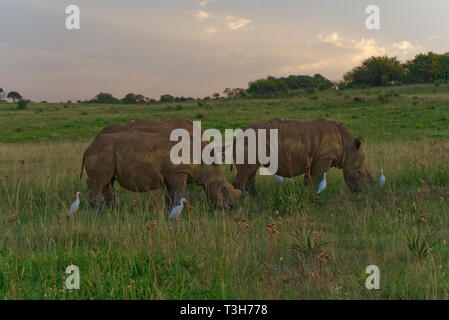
point(220, 22)
point(366, 48)
point(333, 38)
point(309, 67)
point(403, 47)
point(211, 29)
point(361, 49)
point(432, 37)
point(203, 3)
point(201, 15)
point(236, 24)
point(340, 53)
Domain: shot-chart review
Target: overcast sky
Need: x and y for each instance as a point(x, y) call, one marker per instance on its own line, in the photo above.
point(198, 47)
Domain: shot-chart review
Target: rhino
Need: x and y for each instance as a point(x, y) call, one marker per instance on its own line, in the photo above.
point(310, 147)
point(139, 159)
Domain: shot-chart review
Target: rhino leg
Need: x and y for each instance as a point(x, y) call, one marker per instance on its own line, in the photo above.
point(175, 186)
point(245, 178)
point(251, 186)
point(96, 205)
point(318, 168)
point(99, 193)
point(108, 194)
point(100, 169)
point(94, 195)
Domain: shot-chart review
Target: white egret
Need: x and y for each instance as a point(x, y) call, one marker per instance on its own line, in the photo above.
point(176, 211)
point(279, 179)
point(382, 177)
point(75, 204)
point(322, 184)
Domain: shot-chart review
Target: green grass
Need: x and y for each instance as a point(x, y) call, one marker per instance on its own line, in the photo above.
point(285, 244)
point(406, 113)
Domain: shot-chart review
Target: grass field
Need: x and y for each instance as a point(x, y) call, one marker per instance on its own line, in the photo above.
point(285, 244)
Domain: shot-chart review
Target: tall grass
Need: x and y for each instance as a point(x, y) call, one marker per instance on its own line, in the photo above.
point(285, 244)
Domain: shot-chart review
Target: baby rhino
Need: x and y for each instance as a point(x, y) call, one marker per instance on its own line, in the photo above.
point(310, 147)
point(140, 161)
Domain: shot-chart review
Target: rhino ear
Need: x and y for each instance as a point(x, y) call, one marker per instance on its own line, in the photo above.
point(357, 143)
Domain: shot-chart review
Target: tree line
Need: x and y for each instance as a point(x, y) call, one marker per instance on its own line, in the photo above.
point(375, 71)
point(268, 87)
point(385, 71)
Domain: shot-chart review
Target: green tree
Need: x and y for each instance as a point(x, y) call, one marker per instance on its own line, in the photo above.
point(141, 98)
point(167, 98)
point(14, 96)
point(228, 92)
point(420, 69)
point(130, 98)
point(2, 94)
point(376, 71)
point(105, 98)
point(441, 70)
point(238, 93)
point(267, 87)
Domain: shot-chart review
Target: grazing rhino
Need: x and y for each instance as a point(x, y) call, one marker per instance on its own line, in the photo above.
point(140, 161)
point(310, 147)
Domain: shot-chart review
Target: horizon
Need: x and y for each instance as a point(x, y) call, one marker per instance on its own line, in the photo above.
point(197, 48)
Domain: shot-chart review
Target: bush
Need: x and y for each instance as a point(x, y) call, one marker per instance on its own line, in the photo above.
point(104, 98)
point(382, 97)
point(21, 105)
point(287, 86)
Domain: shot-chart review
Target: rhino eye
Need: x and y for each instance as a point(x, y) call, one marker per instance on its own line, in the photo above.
point(359, 171)
point(225, 188)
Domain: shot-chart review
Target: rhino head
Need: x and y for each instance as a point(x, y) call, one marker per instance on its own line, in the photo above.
point(354, 169)
point(218, 190)
point(222, 194)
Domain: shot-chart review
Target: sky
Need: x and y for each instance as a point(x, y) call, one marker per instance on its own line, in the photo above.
point(195, 48)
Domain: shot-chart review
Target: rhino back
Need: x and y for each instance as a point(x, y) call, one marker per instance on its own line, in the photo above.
point(299, 139)
point(141, 160)
point(153, 126)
